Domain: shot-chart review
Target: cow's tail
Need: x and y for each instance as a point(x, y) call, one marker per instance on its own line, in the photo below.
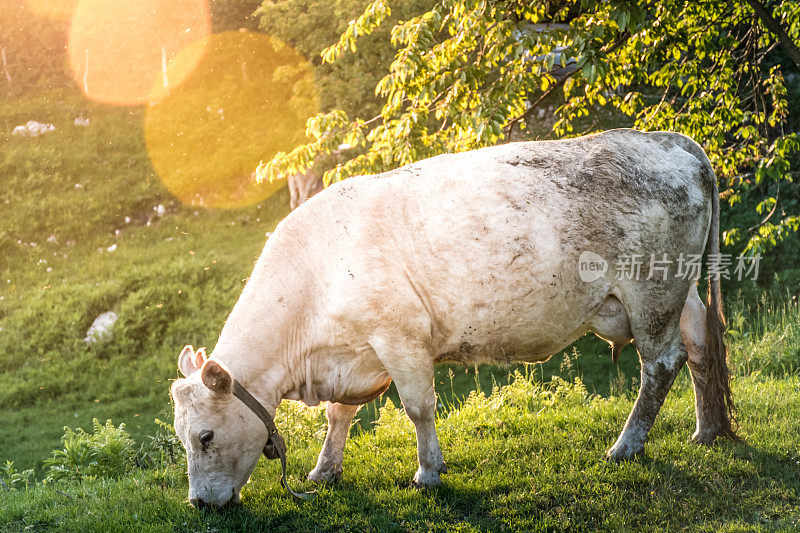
point(719, 410)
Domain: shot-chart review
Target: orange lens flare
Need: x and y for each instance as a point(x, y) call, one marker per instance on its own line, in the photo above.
point(59, 10)
point(119, 50)
point(247, 99)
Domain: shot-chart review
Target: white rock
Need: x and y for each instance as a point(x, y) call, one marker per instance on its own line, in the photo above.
point(33, 129)
point(161, 210)
point(111, 248)
point(52, 238)
point(80, 121)
point(101, 328)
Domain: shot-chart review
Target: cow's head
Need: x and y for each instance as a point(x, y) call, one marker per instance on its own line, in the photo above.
point(222, 437)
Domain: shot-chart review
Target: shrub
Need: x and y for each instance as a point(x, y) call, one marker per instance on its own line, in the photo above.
point(161, 449)
point(106, 452)
point(11, 478)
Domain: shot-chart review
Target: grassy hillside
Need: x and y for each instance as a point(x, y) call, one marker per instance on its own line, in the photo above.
point(172, 279)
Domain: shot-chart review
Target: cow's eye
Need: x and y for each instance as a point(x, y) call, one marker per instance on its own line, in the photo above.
point(206, 437)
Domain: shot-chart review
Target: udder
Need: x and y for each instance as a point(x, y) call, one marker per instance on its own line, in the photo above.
point(611, 324)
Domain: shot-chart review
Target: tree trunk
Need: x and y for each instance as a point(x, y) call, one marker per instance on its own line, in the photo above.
point(775, 27)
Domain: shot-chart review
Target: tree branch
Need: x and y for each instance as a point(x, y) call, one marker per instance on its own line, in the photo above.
point(769, 215)
point(775, 27)
point(623, 37)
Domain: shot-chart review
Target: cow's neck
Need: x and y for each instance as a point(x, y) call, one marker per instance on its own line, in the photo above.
point(267, 352)
point(270, 332)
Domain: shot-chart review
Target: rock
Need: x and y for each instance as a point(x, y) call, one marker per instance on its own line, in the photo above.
point(33, 129)
point(81, 121)
point(101, 328)
point(111, 248)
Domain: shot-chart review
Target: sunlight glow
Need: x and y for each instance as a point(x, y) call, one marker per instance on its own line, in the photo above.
point(119, 50)
point(60, 10)
point(247, 99)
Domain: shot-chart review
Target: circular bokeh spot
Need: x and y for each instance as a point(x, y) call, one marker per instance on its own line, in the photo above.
point(119, 51)
point(59, 10)
point(249, 98)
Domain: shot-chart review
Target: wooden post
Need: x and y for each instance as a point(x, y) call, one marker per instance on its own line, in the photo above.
point(164, 68)
point(86, 74)
point(5, 66)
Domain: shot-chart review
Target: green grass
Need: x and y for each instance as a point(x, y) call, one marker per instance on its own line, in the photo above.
point(525, 457)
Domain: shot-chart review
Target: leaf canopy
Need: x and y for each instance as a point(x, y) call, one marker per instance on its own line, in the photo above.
point(473, 73)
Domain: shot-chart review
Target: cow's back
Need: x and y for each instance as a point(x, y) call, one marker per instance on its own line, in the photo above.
point(478, 251)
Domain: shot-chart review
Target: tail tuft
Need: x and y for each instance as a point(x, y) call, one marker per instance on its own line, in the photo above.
point(718, 398)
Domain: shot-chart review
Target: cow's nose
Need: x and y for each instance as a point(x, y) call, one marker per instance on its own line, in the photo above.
point(198, 503)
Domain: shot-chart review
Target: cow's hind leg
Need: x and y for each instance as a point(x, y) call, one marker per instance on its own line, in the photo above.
point(411, 369)
point(329, 463)
point(656, 333)
point(693, 330)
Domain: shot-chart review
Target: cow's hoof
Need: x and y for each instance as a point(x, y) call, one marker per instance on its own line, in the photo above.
point(705, 438)
point(426, 479)
point(619, 454)
point(324, 476)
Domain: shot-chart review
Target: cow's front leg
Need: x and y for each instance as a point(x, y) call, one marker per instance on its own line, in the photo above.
point(419, 401)
point(411, 369)
point(329, 463)
point(658, 374)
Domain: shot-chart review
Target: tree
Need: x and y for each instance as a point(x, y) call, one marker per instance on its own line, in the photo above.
point(310, 26)
point(470, 73)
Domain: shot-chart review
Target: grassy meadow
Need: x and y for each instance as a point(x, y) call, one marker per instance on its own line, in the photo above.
point(81, 234)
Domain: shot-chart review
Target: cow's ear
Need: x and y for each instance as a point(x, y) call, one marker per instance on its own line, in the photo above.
point(186, 361)
point(216, 378)
point(199, 358)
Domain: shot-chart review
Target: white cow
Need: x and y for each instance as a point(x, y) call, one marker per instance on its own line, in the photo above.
point(476, 258)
